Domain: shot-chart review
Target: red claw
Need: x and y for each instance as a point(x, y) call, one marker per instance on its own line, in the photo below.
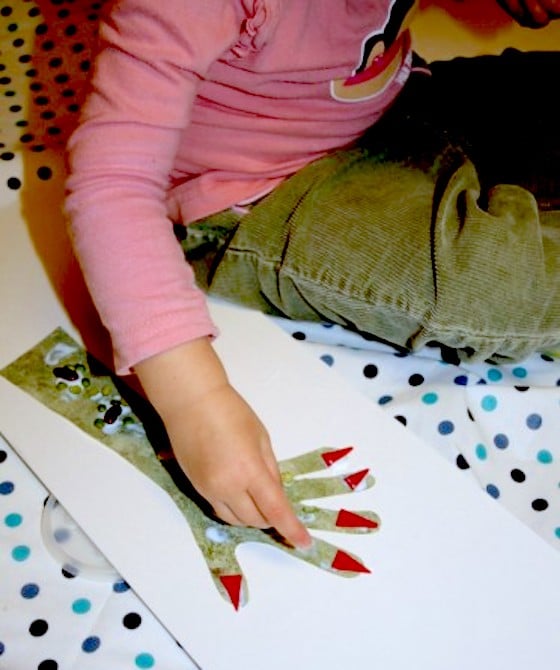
point(331, 457)
point(346, 519)
point(345, 562)
point(232, 584)
point(356, 479)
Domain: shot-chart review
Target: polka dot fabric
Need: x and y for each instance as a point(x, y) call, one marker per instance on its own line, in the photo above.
point(498, 424)
point(49, 619)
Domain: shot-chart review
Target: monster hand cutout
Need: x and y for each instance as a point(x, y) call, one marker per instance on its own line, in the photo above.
point(57, 372)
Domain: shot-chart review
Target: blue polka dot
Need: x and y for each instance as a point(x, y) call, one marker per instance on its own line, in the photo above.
point(446, 427)
point(481, 452)
point(461, 380)
point(501, 441)
point(544, 456)
point(520, 373)
point(430, 398)
point(61, 535)
point(6, 488)
point(328, 359)
point(534, 421)
point(2, 648)
point(489, 403)
point(494, 375)
point(29, 591)
point(21, 553)
point(385, 399)
point(91, 644)
point(120, 586)
point(493, 490)
point(81, 606)
point(13, 520)
point(145, 661)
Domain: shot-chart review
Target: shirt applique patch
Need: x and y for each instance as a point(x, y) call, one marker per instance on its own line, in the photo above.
point(382, 56)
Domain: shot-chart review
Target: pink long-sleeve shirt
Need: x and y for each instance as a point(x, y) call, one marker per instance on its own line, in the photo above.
point(197, 105)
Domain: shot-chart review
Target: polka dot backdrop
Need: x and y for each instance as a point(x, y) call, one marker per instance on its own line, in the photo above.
point(496, 424)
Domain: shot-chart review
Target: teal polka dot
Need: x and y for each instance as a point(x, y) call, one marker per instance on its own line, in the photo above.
point(520, 373)
point(557, 532)
point(81, 606)
point(494, 375)
point(430, 398)
point(481, 452)
point(489, 403)
point(145, 661)
point(13, 520)
point(21, 553)
point(544, 456)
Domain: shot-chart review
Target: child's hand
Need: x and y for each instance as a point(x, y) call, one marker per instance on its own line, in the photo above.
point(218, 440)
point(532, 13)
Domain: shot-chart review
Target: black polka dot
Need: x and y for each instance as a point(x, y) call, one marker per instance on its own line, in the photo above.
point(3, 456)
point(69, 574)
point(6, 11)
point(44, 172)
point(539, 504)
point(7, 156)
point(521, 389)
point(132, 620)
point(518, 475)
point(298, 335)
point(415, 380)
point(370, 371)
point(462, 462)
point(48, 664)
point(38, 627)
point(14, 183)
point(401, 419)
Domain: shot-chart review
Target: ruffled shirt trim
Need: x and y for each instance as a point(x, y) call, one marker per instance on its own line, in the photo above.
point(262, 16)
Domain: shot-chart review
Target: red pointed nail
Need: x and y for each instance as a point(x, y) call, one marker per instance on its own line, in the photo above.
point(232, 584)
point(347, 519)
point(345, 562)
point(356, 479)
point(331, 457)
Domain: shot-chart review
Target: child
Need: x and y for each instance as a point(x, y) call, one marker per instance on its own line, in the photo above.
point(247, 119)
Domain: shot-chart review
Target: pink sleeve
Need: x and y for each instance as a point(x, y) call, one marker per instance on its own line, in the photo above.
point(153, 54)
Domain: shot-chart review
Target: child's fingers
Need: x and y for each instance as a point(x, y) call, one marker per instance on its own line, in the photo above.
point(323, 487)
point(274, 506)
point(341, 520)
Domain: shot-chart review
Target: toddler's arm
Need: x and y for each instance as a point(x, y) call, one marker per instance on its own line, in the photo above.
point(120, 159)
point(218, 440)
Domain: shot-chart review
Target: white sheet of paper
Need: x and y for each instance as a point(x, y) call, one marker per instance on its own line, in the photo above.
point(456, 581)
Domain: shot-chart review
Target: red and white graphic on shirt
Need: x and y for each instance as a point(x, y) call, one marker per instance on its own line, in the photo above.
point(382, 55)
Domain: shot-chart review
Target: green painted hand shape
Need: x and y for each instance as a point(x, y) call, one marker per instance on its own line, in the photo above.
point(58, 373)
